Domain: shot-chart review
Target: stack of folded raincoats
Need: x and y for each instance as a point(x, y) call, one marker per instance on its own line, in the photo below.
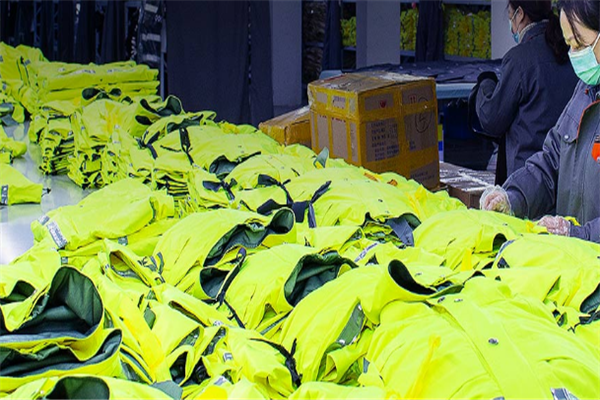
point(82, 83)
point(50, 127)
point(16, 80)
point(93, 129)
point(28, 79)
point(15, 92)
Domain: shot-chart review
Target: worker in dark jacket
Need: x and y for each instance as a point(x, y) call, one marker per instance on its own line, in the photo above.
point(564, 178)
point(536, 83)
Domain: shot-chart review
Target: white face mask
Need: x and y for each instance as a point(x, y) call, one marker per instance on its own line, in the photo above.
point(516, 35)
point(586, 65)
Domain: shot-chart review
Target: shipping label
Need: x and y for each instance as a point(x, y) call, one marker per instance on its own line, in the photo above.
point(382, 139)
point(338, 102)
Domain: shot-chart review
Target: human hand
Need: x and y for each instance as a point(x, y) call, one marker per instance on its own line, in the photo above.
point(556, 225)
point(494, 198)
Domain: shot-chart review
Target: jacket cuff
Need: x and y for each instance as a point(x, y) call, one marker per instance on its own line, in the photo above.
point(487, 87)
point(589, 231)
point(487, 75)
point(518, 205)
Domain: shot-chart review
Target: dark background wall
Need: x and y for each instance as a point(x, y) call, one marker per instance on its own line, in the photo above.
point(220, 57)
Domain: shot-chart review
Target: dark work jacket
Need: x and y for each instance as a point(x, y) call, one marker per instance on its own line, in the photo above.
point(525, 104)
point(564, 178)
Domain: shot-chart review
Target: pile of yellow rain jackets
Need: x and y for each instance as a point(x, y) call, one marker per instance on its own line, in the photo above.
point(50, 127)
point(16, 79)
point(53, 92)
point(32, 81)
point(119, 296)
point(215, 263)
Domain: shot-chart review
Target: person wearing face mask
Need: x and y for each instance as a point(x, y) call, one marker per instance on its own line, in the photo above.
point(536, 82)
point(563, 179)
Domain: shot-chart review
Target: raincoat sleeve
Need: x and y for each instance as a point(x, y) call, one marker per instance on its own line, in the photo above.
point(532, 189)
point(498, 103)
point(589, 231)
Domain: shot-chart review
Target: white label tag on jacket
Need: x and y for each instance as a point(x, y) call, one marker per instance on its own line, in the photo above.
point(43, 219)
point(56, 234)
point(4, 195)
point(221, 380)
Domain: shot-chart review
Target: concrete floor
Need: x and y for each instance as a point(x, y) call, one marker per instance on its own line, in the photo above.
point(15, 220)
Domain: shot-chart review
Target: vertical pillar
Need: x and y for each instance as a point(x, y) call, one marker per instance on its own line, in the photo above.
point(286, 17)
point(377, 32)
point(502, 40)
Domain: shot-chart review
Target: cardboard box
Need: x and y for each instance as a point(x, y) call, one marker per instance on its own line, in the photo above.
point(379, 120)
point(290, 128)
point(465, 184)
